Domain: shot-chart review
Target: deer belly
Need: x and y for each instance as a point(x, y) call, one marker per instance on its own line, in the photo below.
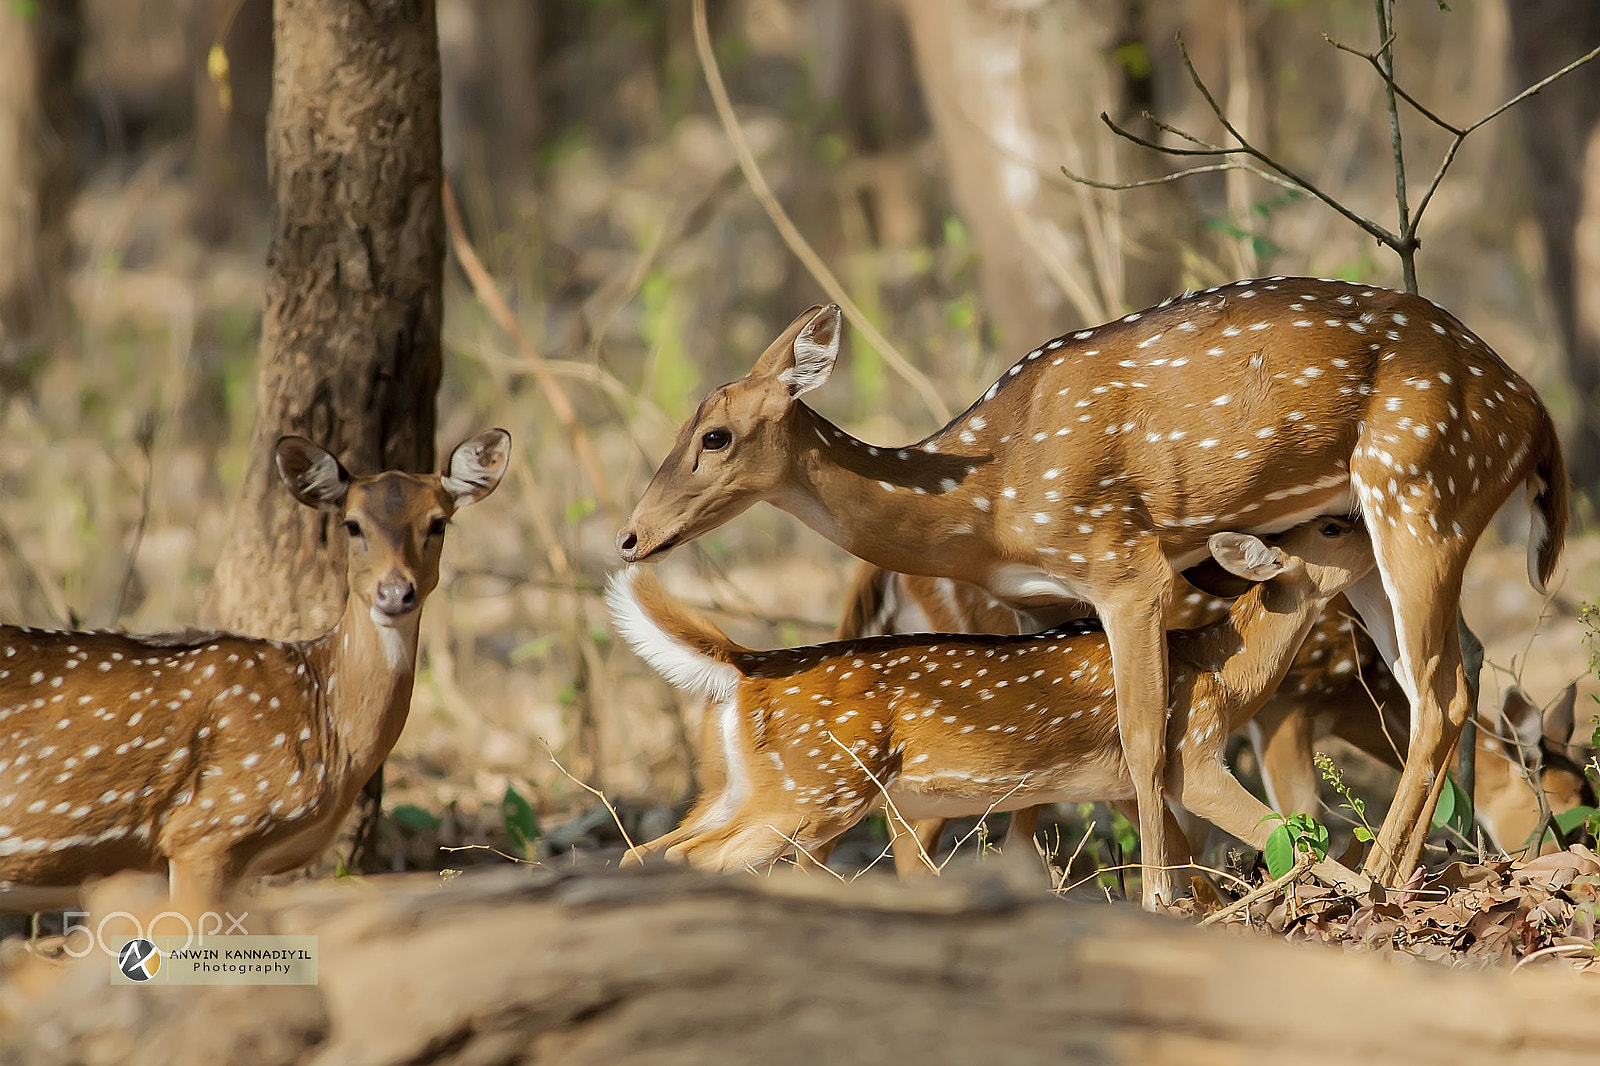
point(954, 792)
point(57, 853)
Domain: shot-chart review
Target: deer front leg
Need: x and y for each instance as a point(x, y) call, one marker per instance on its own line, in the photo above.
point(1134, 628)
point(197, 883)
point(1202, 784)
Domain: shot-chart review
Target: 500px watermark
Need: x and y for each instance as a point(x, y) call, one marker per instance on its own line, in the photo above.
point(79, 938)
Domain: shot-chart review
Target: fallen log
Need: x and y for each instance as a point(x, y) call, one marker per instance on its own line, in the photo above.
point(664, 966)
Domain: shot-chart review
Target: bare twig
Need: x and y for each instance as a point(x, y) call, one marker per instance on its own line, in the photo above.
point(491, 848)
point(1241, 882)
point(1209, 168)
point(1554, 949)
point(791, 234)
point(888, 804)
point(1302, 864)
point(489, 295)
point(147, 436)
point(633, 849)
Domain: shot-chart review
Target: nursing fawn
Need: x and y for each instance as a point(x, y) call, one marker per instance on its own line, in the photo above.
point(216, 757)
point(1101, 462)
point(1338, 685)
point(949, 725)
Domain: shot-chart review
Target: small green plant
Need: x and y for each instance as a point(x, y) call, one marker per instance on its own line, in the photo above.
point(1348, 800)
point(521, 823)
point(414, 819)
point(1295, 834)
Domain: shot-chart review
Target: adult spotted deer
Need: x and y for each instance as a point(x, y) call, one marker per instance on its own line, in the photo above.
point(1105, 458)
point(221, 756)
point(949, 725)
point(1337, 685)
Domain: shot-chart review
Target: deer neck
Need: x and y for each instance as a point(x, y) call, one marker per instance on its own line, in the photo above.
point(365, 672)
point(1252, 649)
point(915, 509)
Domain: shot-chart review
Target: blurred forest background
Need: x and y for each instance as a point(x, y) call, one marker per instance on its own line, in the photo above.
point(919, 148)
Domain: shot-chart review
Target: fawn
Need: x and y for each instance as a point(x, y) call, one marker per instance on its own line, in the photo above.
point(1100, 462)
point(949, 725)
point(222, 756)
point(1337, 685)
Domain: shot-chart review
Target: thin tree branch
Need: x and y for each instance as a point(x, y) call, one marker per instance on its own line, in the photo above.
point(1461, 135)
point(791, 234)
point(1407, 246)
point(1535, 87)
point(1407, 97)
point(1378, 232)
point(488, 294)
point(1210, 168)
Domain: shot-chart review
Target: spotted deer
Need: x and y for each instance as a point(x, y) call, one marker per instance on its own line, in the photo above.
point(950, 725)
point(1337, 685)
point(220, 756)
point(1103, 459)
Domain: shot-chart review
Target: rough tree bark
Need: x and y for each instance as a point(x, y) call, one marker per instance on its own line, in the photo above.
point(1562, 129)
point(350, 337)
point(38, 101)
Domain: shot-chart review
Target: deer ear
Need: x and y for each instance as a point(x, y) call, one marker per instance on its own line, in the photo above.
point(476, 466)
point(1526, 727)
point(1559, 719)
point(313, 475)
point(1244, 556)
point(815, 350)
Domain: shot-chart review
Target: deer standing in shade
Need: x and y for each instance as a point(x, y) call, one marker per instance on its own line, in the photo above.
point(1105, 458)
point(222, 756)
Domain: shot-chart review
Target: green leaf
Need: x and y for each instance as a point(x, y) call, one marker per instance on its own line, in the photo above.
point(1445, 811)
point(1569, 820)
point(1279, 852)
point(580, 509)
point(1363, 834)
point(522, 824)
point(1133, 58)
point(413, 818)
point(1309, 835)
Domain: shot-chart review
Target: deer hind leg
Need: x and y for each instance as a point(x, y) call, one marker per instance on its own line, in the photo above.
point(1023, 828)
point(1282, 734)
point(754, 838)
point(915, 844)
point(1422, 578)
point(1134, 627)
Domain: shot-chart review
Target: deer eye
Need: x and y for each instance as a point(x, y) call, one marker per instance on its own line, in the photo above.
point(352, 527)
point(1333, 529)
point(716, 439)
point(436, 527)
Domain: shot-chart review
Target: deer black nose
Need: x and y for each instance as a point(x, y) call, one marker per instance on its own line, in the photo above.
point(395, 598)
point(628, 545)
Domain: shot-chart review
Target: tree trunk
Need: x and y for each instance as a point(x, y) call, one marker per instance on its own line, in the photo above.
point(1561, 126)
point(1014, 91)
point(230, 116)
point(350, 336)
point(38, 102)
